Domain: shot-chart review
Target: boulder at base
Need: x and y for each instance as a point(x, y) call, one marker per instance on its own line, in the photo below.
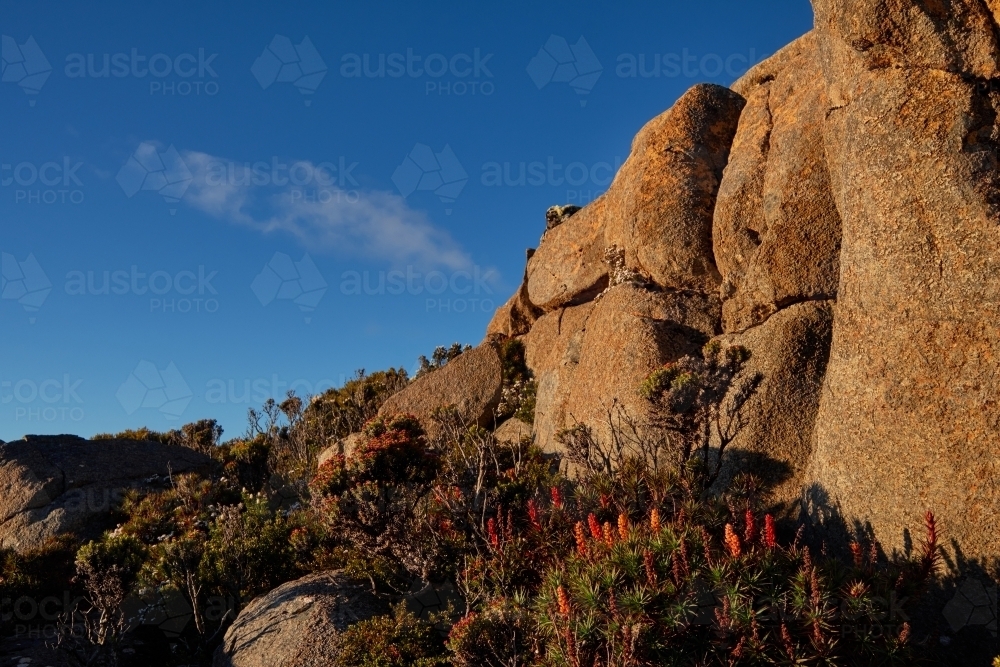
point(63, 483)
point(298, 623)
point(471, 382)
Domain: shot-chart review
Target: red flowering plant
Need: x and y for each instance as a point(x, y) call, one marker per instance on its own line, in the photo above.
point(369, 499)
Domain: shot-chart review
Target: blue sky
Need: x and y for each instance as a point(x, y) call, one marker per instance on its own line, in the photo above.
point(204, 204)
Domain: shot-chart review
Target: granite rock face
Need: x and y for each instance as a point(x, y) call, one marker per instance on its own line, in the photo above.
point(777, 230)
point(836, 213)
point(909, 416)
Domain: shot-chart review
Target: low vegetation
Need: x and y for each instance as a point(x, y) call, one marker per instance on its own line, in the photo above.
point(636, 558)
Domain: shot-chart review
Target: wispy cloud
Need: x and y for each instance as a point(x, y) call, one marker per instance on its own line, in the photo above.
point(373, 223)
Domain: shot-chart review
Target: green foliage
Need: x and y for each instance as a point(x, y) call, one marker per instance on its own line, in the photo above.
point(517, 397)
point(246, 461)
point(337, 413)
point(503, 634)
point(399, 640)
point(440, 357)
point(248, 550)
point(201, 436)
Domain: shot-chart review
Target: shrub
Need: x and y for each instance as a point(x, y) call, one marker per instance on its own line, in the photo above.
point(501, 635)
point(399, 640)
point(517, 398)
point(440, 357)
point(369, 499)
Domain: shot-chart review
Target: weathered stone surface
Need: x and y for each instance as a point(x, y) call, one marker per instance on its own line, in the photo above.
point(63, 483)
point(772, 436)
point(957, 36)
point(776, 229)
point(568, 267)
point(471, 382)
point(590, 359)
point(513, 430)
point(552, 352)
point(630, 333)
point(659, 207)
point(909, 414)
point(298, 623)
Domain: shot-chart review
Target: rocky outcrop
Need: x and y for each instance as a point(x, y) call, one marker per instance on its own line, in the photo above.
point(777, 230)
point(841, 201)
point(660, 205)
point(297, 624)
point(471, 383)
point(518, 314)
point(552, 352)
point(909, 415)
point(59, 484)
point(590, 360)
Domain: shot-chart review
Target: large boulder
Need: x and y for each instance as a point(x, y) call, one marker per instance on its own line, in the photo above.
point(63, 483)
point(471, 383)
point(552, 352)
point(590, 360)
point(777, 230)
point(630, 333)
point(909, 414)
point(568, 268)
point(660, 205)
point(298, 623)
point(772, 434)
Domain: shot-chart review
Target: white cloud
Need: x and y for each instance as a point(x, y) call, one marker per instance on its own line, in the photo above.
point(373, 223)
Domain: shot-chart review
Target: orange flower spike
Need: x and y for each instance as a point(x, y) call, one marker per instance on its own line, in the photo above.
point(564, 606)
point(581, 538)
point(533, 515)
point(733, 542)
point(595, 527)
point(623, 527)
point(858, 554)
point(654, 520)
point(750, 535)
point(770, 534)
point(608, 533)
